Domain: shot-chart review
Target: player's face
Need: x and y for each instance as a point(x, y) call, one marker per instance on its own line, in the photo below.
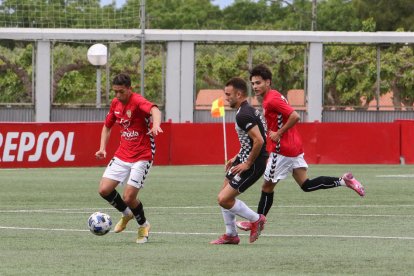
point(122, 93)
point(260, 86)
point(231, 96)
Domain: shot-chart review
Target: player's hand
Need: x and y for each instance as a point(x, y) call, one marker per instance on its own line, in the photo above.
point(228, 165)
point(240, 168)
point(100, 154)
point(275, 136)
point(155, 130)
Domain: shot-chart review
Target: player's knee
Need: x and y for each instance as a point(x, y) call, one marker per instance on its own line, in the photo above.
point(104, 192)
point(129, 200)
point(223, 202)
point(268, 187)
point(220, 200)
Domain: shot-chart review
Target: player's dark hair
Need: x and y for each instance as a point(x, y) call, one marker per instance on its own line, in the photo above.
point(122, 79)
point(261, 71)
point(238, 84)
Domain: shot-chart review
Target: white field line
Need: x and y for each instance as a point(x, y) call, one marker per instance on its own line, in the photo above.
point(396, 175)
point(212, 213)
point(351, 215)
point(215, 234)
point(87, 210)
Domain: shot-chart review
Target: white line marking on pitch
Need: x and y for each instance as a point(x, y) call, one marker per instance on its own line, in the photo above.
point(210, 234)
point(87, 210)
point(396, 175)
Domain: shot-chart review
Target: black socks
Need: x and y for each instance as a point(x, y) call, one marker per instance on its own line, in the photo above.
point(115, 199)
point(139, 214)
point(266, 201)
point(321, 182)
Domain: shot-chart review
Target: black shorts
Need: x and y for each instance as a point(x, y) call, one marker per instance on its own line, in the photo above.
point(247, 178)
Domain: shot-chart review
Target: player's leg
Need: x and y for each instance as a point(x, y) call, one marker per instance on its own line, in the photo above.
point(300, 175)
point(278, 167)
point(241, 184)
point(314, 184)
point(114, 173)
point(139, 172)
point(322, 182)
point(231, 236)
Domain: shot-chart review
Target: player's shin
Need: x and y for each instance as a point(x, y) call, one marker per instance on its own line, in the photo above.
point(265, 203)
point(321, 182)
point(115, 199)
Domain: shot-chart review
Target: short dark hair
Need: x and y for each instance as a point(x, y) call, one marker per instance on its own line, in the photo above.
point(261, 70)
point(122, 79)
point(238, 84)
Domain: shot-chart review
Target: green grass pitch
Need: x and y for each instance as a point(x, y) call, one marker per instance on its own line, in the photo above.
point(44, 212)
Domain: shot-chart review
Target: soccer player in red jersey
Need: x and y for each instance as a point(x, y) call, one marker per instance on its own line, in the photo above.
point(134, 156)
point(287, 154)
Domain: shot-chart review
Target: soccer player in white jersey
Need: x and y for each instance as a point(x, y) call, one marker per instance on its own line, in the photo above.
point(134, 156)
point(244, 169)
point(287, 154)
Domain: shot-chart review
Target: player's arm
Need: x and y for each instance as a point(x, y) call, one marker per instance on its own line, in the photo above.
point(291, 121)
point(106, 132)
point(257, 138)
point(156, 121)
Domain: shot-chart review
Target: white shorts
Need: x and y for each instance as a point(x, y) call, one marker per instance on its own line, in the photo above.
point(279, 167)
point(119, 170)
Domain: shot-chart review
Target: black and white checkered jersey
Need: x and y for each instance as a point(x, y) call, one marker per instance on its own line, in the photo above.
point(247, 117)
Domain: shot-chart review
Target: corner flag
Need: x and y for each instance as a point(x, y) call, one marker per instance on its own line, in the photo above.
point(217, 108)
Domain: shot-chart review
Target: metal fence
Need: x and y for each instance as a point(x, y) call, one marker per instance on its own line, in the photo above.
point(88, 114)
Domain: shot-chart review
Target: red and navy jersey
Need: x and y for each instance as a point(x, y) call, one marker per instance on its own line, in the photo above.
point(276, 110)
point(134, 120)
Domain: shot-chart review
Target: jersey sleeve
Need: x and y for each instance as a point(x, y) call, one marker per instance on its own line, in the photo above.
point(245, 121)
point(280, 104)
point(145, 105)
point(110, 117)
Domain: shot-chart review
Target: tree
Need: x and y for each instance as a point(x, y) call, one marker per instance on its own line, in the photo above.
point(388, 15)
point(337, 15)
point(15, 73)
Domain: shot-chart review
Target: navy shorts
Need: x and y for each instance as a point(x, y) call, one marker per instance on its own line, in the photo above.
point(247, 178)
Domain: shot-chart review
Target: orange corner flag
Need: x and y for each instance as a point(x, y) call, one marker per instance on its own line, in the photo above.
point(217, 108)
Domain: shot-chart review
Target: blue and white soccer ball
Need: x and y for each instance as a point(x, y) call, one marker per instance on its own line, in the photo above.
point(99, 223)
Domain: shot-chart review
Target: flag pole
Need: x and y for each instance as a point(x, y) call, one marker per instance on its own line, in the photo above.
point(224, 137)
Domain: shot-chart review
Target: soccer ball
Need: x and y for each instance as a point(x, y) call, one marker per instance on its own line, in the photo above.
point(99, 223)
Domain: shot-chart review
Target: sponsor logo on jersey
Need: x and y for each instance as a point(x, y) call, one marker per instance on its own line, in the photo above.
point(129, 135)
point(124, 122)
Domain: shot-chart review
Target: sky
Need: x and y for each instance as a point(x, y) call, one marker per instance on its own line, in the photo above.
point(221, 3)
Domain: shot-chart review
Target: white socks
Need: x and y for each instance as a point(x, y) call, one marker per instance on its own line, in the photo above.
point(127, 212)
point(241, 209)
point(230, 222)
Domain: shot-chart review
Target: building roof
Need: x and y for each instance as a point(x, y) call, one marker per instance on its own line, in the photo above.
point(206, 96)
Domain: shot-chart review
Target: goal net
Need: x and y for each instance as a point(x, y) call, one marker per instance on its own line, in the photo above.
point(82, 14)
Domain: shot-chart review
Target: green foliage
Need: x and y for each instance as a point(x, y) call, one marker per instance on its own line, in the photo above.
point(350, 71)
point(337, 15)
point(15, 73)
point(388, 15)
point(350, 75)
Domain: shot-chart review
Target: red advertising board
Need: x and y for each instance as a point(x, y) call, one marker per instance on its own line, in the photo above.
point(34, 145)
